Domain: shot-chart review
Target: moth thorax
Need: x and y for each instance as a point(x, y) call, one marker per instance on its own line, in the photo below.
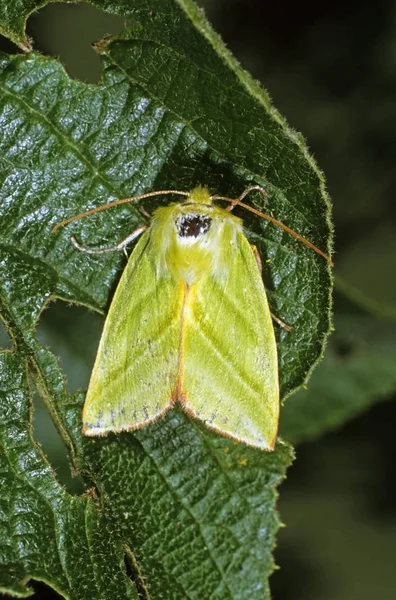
point(190, 253)
point(190, 226)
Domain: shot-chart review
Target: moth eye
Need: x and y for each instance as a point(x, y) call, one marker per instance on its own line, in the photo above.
point(192, 225)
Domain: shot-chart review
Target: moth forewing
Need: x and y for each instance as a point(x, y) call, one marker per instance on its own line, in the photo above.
point(229, 375)
point(137, 361)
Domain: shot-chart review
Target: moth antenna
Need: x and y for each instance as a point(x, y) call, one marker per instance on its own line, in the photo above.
point(116, 203)
point(238, 201)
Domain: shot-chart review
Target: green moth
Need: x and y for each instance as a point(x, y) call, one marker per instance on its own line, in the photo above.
point(189, 323)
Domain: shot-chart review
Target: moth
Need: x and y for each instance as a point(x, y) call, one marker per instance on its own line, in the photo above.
point(189, 323)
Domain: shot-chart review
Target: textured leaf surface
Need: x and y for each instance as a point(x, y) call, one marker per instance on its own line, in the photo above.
point(193, 512)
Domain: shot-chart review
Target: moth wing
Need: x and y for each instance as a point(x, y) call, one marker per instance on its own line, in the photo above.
point(229, 376)
point(135, 371)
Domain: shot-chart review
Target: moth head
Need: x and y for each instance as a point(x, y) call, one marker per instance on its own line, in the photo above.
point(199, 195)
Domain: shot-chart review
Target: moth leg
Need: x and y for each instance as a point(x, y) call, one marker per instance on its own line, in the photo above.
point(145, 213)
point(121, 246)
point(281, 323)
point(260, 266)
point(249, 189)
point(257, 257)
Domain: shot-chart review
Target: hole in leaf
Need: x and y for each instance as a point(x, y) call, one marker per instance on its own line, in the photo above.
point(132, 571)
point(8, 47)
point(72, 333)
point(68, 31)
point(5, 339)
point(46, 434)
point(44, 591)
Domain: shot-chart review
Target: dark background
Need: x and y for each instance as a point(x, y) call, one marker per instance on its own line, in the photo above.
point(331, 71)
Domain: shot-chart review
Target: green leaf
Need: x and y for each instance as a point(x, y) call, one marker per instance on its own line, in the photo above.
point(192, 511)
point(45, 533)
